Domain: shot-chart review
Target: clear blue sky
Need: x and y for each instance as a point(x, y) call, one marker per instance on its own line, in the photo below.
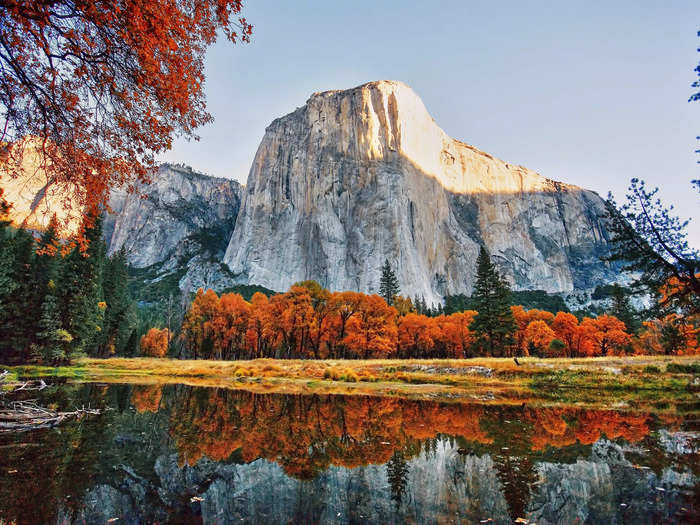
point(587, 92)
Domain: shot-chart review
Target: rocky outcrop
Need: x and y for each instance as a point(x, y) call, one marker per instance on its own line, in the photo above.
point(359, 176)
point(178, 225)
point(179, 206)
point(34, 196)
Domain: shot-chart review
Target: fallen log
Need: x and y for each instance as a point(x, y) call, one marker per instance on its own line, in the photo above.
point(21, 416)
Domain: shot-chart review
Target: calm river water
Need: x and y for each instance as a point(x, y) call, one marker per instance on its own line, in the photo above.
point(178, 454)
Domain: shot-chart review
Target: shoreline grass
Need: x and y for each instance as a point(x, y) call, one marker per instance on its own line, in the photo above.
point(633, 378)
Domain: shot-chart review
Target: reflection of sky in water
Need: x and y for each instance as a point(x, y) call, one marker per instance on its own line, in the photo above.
point(181, 454)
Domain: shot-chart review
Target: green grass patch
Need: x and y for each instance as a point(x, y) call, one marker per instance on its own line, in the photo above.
point(678, 368)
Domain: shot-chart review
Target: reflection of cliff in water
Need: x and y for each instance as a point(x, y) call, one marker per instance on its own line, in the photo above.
point(181, 455)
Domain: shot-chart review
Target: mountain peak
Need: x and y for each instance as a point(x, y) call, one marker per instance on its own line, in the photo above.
point(358, 176)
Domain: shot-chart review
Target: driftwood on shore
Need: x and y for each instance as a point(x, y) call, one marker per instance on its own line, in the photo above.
point(21, 416)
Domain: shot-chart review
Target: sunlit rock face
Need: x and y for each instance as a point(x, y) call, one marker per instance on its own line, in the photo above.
point(359, 176)
point(153, 223)
point(35, 197)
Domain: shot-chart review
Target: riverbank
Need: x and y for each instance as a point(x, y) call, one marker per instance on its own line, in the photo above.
point(586, 380)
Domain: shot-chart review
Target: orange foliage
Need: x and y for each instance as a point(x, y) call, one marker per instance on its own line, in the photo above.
point(454, 337)
point(372, 331)
point(674, 334)
point(155, 342)
point(566, 329)
point(417, 335)
point(553, 427)
point(538, 337)
point(307, 434)
point(202, 310)
point(522, 319)
point(607, 334)
point(309, 321)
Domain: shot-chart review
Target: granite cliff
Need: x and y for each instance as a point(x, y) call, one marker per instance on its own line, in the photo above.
point(179, 223)
point(348, 180)
point(359, 176)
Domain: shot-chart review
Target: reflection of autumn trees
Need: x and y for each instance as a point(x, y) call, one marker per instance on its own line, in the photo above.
point(146, 398)
point(307, 434)
point(560, 427)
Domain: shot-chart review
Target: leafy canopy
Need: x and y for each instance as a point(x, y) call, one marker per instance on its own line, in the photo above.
point(101, 86)
point(648, 238)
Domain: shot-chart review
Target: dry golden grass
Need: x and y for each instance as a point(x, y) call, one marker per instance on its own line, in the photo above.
point(417, 371)
point(589, 382)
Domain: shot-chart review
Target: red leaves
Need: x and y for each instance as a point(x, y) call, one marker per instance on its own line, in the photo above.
point(107, 84)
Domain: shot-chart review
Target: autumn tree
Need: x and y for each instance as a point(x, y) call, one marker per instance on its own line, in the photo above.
point(104, 86)
point(567, 330)
point(298, 321)
point(259, 338)
point(454, 338)
point(673, 334)
point(323, 311)
point(202, 310)
point(538, 337)
point(388, 283)
point(607, 333)
point(648, 238)
point(228, 327)
point(403, 305)
point(345, 306)
point(372, 331)
point(417, 335)
point(494, 326)
point(155, 342)
point(523, 318)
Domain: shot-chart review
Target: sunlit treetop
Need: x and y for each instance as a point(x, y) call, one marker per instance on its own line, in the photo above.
point(102, 86)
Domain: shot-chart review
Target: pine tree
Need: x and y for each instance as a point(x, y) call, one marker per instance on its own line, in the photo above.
point(79, 291)
point(52, 340)
point(116, 326)
point(131, 347)
point(397, 475)
point(17, 321)
point(44, 267)
point(8, 283)
point(494, 326)
point(388, 284)
point(648, 238)
point(622, 309)
point(416, 304)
